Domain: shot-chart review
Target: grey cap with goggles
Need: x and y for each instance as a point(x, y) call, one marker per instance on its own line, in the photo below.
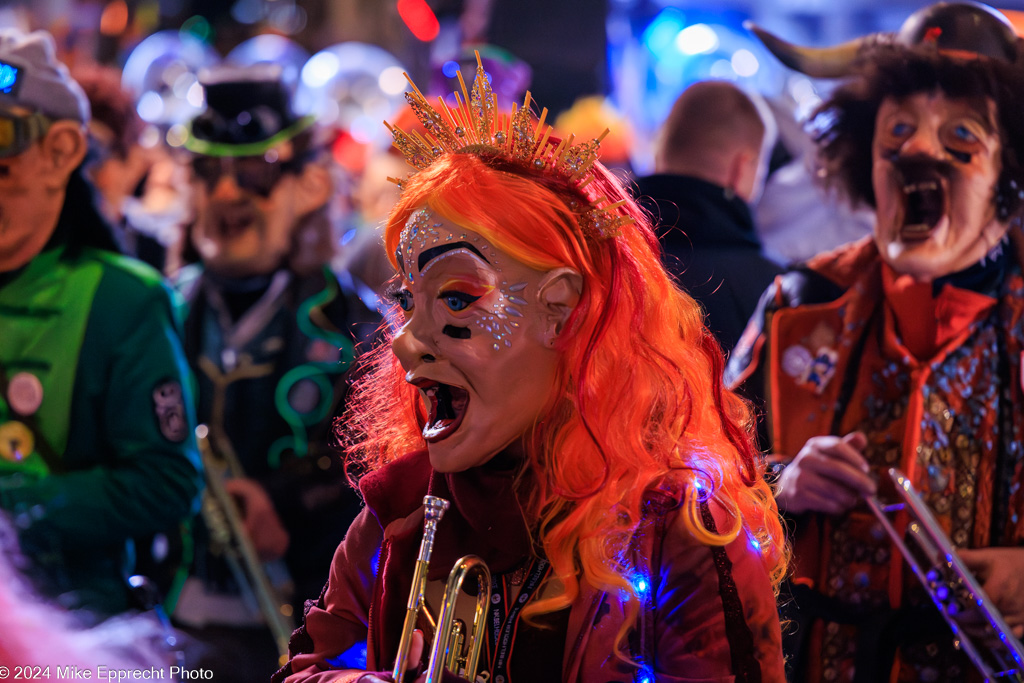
point(248, 112)
point(31, 78)
point(35, 89)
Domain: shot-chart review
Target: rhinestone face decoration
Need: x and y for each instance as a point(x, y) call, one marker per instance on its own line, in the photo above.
point(499, 319)
point(475, 124)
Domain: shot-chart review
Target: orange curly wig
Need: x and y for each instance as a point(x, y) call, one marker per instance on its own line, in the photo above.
point(639, 403)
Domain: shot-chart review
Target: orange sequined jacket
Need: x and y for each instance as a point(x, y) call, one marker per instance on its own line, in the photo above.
point(932, 378)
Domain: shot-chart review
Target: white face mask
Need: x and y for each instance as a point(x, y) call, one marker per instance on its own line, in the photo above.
point(936, 163)
point(473, 341)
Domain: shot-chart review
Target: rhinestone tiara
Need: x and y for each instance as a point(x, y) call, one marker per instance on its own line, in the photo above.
point(476, 125)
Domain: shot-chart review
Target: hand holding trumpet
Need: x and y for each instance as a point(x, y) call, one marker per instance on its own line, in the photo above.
point(415, 653)
point(262, 523)
point(829, 474)
point(1001, 574)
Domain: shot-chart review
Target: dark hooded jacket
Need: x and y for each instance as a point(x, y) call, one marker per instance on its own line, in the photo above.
point(710, 247)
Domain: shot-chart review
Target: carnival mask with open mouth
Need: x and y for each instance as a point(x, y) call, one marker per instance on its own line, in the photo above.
point(936, 162)
point(476, 341)
point(238, 233)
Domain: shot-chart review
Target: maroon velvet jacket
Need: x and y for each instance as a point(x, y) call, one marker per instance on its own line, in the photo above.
point(711, 617)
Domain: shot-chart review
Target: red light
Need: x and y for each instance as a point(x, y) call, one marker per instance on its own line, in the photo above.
point(350, 154)
point(114, 19)
point(420, 19)
point(932, 35)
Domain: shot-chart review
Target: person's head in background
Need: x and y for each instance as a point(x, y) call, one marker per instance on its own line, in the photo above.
point(717, 133)
point(43, 119)
point(260, 185)
point(362, 254)
point(373, 196)
point(140, 188)
point(116, 164)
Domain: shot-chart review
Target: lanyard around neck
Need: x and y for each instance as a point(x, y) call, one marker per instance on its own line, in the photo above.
point(504, 618)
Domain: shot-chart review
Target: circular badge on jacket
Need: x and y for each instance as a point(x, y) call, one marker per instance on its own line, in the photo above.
point(24, 393)
point(16, 441)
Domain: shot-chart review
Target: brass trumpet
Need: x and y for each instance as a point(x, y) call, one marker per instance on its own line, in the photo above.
point(227, 530)
point(978, 627)
point(449, 633)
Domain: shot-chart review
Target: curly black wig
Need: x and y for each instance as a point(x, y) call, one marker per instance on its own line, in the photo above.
point(844, 125)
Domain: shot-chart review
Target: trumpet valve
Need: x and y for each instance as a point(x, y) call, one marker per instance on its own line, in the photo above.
point(454, 661)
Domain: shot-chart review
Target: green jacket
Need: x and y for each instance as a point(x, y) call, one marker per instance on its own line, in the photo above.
point(113, 453)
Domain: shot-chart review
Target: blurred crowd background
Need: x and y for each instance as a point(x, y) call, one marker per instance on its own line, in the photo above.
point(594, 64)
point(625, 59)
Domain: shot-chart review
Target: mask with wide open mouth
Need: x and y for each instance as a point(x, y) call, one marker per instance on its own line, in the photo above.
point(446, 408)
point(925, 193)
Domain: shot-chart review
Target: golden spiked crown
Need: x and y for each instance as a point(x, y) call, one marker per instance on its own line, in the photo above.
point(476, 125)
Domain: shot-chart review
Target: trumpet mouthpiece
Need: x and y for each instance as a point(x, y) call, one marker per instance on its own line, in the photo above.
point(434, 509)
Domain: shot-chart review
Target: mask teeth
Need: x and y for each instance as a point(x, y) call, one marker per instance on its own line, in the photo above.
point(475, 124)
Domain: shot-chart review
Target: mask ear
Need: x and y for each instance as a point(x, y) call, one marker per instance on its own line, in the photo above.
point(313, 189)
point(64, 147)
point(558, 294)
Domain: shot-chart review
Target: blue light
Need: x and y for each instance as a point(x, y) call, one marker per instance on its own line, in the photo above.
point(644, 675)
point(640, 585)
point(8, 78)
point(450, 69)
point(352, 658)
point(662, 31)
point(755, 544)
point(696, 39)
point(375, 563)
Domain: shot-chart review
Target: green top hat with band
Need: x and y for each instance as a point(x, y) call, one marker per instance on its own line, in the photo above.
point(248, 112)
